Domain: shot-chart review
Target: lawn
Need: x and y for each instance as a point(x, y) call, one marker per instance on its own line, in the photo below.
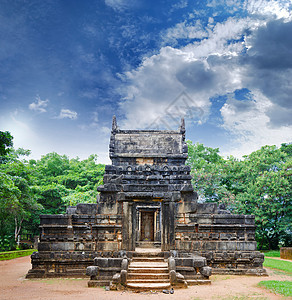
point(14, 254)
point(281, 265)
point(272, 253)
point(279, 287)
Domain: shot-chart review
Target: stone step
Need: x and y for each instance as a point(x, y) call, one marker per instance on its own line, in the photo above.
point(144, 264)
point(148, 281)
point(148, 275)
point(148, 286)
point(198, 281)
point(148, 252)
point(145, 244)
point(147, 270)
point(148, 259)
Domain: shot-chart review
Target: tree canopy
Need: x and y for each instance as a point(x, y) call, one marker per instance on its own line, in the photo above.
point(260, 185)
point(29, 188)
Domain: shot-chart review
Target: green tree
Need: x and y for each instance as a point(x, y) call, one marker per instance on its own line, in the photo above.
point(260, 185)
point(60, 182)
point(208, 173)
point(5, 145)
point(20, 205)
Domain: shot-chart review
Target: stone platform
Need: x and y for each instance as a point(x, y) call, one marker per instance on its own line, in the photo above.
point(151, 269)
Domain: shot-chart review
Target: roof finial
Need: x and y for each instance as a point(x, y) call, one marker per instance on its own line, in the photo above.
point(182, 126)
point(114, 124)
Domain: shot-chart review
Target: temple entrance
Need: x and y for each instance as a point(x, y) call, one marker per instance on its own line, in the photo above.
point(147, 226)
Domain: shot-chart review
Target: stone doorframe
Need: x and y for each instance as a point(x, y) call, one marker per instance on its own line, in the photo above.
point(131, 223)
point(156, 210)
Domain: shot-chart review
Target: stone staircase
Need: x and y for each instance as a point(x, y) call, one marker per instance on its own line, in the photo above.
point(148, 271)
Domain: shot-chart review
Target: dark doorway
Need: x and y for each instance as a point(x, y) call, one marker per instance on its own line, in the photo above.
point(147, 226)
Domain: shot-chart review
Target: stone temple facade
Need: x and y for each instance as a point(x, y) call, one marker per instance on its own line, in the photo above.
point(147, 200)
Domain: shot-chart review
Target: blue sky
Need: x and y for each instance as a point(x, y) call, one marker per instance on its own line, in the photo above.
point(68, 66)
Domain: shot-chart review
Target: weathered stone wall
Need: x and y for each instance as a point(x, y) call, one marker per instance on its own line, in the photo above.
point(286, 252)
point(227, 241)
point(69, 243)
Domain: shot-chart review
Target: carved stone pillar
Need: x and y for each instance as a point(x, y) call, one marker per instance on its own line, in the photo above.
point(168, 230)
point(128, 231)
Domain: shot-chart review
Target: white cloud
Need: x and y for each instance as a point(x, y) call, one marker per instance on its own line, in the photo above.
point(184, 31)
point(180, 4)
point(161, 78)
point(250, 126)
point(39, 105)
point(270, 8)
point(119, 5)
point(67, 113)
point(252, 52)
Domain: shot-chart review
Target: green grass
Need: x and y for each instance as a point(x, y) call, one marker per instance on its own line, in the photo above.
point(14, 254)
point(279, 287)
point(281, 265)
point(272, 253)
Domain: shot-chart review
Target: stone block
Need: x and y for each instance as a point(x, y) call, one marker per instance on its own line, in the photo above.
point(54, 219)
point(286, 252)
point(171, 263)
point(207, 208)
point(206, 271)
point(44, 246)
point(199, 262)
point(124, 264)
point(197, 245)
point(124, 275)
point(187, 262)
point(179, 278)
point(92, 271)
point(249, 220)
point(101, 262)
point(222, 246)
point(172, 276)
point(117, 278)
point(210, 245)
point(71, 210)
point(246, 246)
point(35, 255)
point(229, 219)
point(114, 262)
point(231, 246)
point(214, 236)
point(63, 246)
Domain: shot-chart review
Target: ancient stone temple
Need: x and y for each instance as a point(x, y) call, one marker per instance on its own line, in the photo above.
point(147, 201)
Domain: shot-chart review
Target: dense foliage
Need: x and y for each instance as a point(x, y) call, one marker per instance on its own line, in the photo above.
point(260, 184)
point(45, 186)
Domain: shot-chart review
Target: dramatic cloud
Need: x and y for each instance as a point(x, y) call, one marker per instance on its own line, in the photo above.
point(270, 8)
point(252, 53)
point(269, 68)
point(248, 123)
point(67, 113)
point(201, 70)
point(39, 105)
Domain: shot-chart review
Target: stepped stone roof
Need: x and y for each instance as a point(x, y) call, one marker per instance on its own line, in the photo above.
point(147, 143)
